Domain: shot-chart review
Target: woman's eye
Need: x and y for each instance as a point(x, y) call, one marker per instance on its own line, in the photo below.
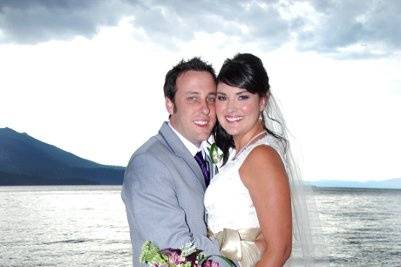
point(221, 97)
point(243, 97)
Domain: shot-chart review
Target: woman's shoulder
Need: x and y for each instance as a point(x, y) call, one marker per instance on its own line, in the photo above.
point(261, 164)
point(262, 156)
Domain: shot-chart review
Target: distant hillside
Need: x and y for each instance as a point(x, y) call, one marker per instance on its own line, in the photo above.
point(25, 160)
point(391, 184)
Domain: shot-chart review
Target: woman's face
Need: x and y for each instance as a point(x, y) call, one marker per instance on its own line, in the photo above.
point(237, 109)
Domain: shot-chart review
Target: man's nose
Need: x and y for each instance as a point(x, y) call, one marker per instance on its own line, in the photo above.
point(205, 107)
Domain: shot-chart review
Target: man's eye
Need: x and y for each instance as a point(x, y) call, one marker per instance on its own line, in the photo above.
point(192, 98)
point(221, 97)
point(211, 99)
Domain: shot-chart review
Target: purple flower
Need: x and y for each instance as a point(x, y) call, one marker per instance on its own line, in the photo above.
point(210, 263)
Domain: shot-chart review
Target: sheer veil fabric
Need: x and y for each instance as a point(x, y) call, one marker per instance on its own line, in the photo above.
point(305, 218)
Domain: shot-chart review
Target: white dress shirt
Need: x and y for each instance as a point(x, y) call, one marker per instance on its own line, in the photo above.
point(190, 146)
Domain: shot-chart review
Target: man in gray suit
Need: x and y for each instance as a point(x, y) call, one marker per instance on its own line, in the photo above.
point(164, 184)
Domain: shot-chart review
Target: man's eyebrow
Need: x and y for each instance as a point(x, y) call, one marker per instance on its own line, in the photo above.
point(192, 93)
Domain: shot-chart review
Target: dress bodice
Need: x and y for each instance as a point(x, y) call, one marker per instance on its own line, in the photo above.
point(227, 200)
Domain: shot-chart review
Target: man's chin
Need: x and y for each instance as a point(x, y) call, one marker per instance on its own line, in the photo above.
point(204, 136)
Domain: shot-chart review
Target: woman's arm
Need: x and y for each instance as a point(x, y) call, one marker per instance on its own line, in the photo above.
point(264, 175)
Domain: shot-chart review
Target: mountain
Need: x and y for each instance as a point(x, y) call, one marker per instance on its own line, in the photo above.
point(390, 184)
point(25, 160)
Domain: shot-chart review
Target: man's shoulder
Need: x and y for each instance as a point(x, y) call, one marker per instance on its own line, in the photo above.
point(153, 147)
point(154, 160)
point(152, 143)
point(148, 157)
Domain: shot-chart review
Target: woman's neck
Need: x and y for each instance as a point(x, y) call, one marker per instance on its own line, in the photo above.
point(245, 139)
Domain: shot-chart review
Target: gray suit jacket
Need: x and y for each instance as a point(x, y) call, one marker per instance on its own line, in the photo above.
point(163, 193)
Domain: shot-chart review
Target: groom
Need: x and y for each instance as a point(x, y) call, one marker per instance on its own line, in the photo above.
point(166, 178)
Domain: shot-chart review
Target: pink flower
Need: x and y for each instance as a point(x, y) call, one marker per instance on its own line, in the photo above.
point(174, 256)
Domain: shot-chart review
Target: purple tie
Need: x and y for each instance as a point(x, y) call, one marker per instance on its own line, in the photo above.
point(203, 165)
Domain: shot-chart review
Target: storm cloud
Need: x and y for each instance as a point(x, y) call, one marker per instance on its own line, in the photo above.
point(30, 22)
point(374, 25)
point(347, 28)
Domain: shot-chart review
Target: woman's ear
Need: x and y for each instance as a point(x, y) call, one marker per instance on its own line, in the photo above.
point(262, 103)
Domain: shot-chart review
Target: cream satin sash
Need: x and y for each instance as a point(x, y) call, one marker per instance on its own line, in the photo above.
point(239, 245)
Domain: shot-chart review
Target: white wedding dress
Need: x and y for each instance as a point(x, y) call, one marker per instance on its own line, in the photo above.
point(229, 207)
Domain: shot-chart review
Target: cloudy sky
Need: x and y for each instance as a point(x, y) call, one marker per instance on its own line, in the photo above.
point(87, 76)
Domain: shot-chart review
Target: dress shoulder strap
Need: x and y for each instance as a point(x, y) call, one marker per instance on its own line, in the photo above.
point(267, 140)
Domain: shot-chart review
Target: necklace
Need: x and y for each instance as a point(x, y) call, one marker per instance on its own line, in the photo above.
point(248, 143)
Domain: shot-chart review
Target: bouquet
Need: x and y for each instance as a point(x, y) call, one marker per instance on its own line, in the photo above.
point(188, 256)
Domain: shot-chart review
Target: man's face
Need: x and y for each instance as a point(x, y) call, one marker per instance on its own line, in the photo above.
point(192, 113)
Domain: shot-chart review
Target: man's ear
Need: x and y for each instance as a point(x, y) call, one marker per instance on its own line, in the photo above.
point(169, 106)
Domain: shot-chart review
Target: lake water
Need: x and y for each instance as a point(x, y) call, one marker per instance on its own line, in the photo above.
point(86, 226)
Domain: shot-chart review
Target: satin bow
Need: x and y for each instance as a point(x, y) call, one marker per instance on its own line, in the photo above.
point(235, 243)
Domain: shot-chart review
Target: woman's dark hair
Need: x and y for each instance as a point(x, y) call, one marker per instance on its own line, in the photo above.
point(244, 71)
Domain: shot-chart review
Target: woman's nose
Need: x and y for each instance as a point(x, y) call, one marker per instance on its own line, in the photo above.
point(231, 105)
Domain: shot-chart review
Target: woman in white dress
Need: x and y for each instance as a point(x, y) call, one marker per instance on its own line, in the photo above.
point(254, 201)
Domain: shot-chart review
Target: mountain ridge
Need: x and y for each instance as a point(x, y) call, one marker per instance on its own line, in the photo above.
point(394, 183)
point(25, 160)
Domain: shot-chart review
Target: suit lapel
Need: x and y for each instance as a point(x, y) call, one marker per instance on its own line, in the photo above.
point(179, 149)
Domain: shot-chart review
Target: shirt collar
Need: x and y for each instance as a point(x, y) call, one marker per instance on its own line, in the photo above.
point(191, 147)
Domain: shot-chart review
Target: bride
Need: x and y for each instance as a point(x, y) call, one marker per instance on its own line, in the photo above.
point(255, 206)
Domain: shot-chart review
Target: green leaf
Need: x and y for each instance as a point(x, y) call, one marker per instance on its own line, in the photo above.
point(151, 254)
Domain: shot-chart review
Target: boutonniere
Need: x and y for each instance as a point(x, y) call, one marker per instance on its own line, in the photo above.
point(215, 154)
